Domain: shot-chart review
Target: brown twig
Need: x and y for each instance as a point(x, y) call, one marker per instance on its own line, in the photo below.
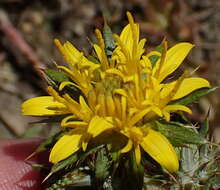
point(16, 40)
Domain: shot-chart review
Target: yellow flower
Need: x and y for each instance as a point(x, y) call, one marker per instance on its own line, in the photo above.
point(123, 93)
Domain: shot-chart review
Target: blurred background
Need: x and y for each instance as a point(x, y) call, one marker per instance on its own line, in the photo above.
point(27, 30)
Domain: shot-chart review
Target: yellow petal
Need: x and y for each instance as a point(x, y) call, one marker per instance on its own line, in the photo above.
point(189, 85)
point(85, 109)
point(177, 107)
point(126, 37)
point(138, 116)
point(156, 110)
point(137, 152)
point(99, 124)
point(174, 58)
point(160, 149)
point(43, 106)
point(65, 146)
point(115, 72)
point(66, 83)
point(127, 147)
point(98, 51)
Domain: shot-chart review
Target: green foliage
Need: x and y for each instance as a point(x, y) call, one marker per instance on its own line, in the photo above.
point(155, 58)
point(179, 135)
point(199, 165)
point(100, 171)
point(75, 179)
point(129, 174)
point(56, 77)
point(109, 40)
point(194, 96)
point(49, 142)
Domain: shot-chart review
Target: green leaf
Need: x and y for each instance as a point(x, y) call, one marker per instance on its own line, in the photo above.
point(101, 166)
point(49, 142)
point(213, 183)
point(93, 59)
point(155, 58)
point(55, 76)
point(64, 163)
point(109, 40)
point(74, 179)
point(189, 160)
point(39, 167)
point(204, 127)
point(194, 96)
point(128, 175)
point(180, 136)
point(69, 162)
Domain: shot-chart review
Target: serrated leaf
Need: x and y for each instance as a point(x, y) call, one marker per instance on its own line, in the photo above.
point(194, 96)
point(180, 136)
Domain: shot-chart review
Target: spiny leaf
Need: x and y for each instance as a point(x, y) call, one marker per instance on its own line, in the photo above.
point(78, 157)
point(213, 183)
point(180, 136)
point(70, 180)
point(204, 127)
point(189, 160)
point(194, 96)
point(39, 167)
point(64, 163)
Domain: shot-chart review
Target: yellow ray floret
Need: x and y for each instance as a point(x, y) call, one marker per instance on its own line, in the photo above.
point(124, 93)
point(173, 59)
point(43, 106)
point(160, 149)
point(66, 145)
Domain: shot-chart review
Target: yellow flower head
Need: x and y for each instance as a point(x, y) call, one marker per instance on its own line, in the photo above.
point(123, 93)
